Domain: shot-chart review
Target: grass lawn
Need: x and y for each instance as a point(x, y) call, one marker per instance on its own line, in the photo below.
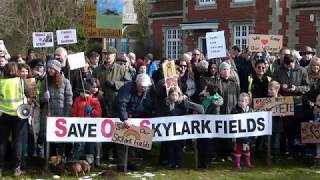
point(288, 169)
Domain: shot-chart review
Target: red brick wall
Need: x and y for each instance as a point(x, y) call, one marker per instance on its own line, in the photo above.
point(157, 33)
point(307, 30)
point(224, 14)
point(167, 5)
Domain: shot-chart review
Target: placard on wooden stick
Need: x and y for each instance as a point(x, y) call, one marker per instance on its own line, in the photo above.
point(139, 137)
point(310, 132)
point(262, 42)
point(281, 106)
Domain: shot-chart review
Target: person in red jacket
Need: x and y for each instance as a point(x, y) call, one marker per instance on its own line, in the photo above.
point(86, 105)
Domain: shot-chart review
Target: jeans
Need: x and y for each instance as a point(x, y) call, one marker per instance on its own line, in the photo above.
point(11, 125)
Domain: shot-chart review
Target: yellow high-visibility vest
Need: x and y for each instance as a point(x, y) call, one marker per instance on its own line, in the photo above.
point(11, 95)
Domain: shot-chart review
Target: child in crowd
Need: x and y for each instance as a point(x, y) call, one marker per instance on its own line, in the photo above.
point(86, 105)
point(177, 105)
point(211, 102)
point(277, 124)
point(243, 144)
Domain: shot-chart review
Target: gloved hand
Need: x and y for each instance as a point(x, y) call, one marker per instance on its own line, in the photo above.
point(89, 109)
point(109, 84)
point(46, 95)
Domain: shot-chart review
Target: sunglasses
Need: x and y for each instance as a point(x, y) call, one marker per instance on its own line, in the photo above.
point(183, 66)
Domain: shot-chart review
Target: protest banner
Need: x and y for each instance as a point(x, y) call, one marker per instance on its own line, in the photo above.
point(310, 132)
point(129, 16)
point(64, 129)
point(76, 60)
point(109, 14)
point(135, 136)
point(169, 73)
point(216, 44)
point(280, 106)
point(66, 36)
point(42, 39)
point(31, 86)
point(90, 29)
point(261, 42)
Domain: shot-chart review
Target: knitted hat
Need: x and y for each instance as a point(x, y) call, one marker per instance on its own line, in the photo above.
point(224, 65)
point(296, 55)
point(55, 64)
point(143, 80)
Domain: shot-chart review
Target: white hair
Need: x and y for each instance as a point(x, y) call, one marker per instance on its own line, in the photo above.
point(143, 80)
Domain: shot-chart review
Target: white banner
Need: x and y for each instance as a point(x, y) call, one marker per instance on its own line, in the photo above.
point(76, 60)
point(62, 129)
point(66, 36)
point(42, 39)
point(216, 44)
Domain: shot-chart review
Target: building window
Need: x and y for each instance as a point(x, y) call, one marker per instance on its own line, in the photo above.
point(241, 35)
point(123, 45)
point(173, 43)
point(207, 2)
point(202, 44)
point(242, 3)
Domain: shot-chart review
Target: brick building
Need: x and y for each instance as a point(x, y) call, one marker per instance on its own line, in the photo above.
point(178, 26)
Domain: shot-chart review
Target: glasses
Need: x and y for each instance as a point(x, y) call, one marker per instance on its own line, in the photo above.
point(261, 67)
point(195, 54)
point(183, 66)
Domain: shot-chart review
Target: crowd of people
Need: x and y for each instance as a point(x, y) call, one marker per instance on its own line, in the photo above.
point(128, 87)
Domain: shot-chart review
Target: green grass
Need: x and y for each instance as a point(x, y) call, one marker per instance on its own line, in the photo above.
point(288, 169)
point(108, 22)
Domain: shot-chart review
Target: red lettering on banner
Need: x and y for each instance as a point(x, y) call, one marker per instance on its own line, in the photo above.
point(145, 123)
point(60, 125)
point(103, 128)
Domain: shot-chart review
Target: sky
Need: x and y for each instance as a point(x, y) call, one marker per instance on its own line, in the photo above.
point(117, 5)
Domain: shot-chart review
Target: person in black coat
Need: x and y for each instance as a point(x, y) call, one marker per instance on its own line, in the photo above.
point(133, 101)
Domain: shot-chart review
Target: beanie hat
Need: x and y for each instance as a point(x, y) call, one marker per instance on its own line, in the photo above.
point(143, 80)
point(224, 65)
point(296, 55)
point(55, 64)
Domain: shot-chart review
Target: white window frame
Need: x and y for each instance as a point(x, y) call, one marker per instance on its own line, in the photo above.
point(241, 37)
point(200, 38)
point(206, 2)
point(173, 43)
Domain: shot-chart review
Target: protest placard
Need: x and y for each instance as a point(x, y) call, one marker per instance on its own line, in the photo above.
point(280, 106)
point(109, 14)
point(170, 77)
point(135, 136)
point(310, 132)
point(32, 86)
point(42, 39)
point(261, 42)
point(90, 29)
point(76, 60)
point(216, 44)
point(66, 36)
point(170, 128)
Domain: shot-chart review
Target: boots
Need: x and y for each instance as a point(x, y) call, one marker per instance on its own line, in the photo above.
point(248, 160)
point(237, 161)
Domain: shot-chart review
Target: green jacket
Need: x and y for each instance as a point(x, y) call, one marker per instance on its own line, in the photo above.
point(116, 73)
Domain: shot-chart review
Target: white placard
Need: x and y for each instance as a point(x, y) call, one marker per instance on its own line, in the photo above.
point(42, 39)
point(216, 44)
point(170, 128)
point(76, 60)
point(67, 36)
